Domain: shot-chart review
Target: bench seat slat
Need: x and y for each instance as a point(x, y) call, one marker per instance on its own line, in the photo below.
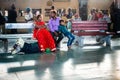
point(89, 28)
point(92, 33)
point(19, 25)
point(89, 22)
point(15, 36)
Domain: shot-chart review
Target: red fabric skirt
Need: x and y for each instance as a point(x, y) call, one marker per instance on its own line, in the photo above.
point(45, 39)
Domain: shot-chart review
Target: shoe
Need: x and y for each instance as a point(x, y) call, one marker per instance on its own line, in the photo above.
point(16, 49)
point(17, 46)
point(69, 47)
point(108, 45)
point(53, 50)
point(42, 50)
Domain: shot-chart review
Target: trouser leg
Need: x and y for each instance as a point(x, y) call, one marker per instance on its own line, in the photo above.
point(70, 39)
point(54, 37)
point(60, 37)
point(30, 48)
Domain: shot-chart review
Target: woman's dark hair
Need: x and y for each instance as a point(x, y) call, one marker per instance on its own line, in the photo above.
point(61, 21)
point(38, 16)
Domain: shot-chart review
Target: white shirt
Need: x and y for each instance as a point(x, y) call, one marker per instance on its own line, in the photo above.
point(6, 13)
point(37, 13)
point(90, 17)
point(28, 16)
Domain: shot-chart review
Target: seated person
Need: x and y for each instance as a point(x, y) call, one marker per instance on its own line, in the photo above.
point(41, 34)
point(62, 29)
point(53, 27)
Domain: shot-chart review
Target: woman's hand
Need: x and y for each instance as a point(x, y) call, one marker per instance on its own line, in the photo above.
point(34, 38)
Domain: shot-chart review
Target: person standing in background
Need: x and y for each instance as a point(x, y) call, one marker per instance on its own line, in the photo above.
point(29, 17)
point(19, 12)
point(100, 16)
point(90, 16)
point(37, 13)
point(6, 15)
point(2, 22)
point(52, 9)
point(69, 25)
point(1, 12)
point(70, 14)
point(12, 16)
point(22, 13)
point(76, 17)
point(106, 17)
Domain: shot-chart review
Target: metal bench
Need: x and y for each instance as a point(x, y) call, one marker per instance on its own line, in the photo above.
point(10, 26)
point(90, 28)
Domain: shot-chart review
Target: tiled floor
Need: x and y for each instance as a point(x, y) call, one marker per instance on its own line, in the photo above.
point(87, 63)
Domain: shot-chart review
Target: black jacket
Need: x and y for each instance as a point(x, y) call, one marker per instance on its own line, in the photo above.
point(2, 19)
point(12, 15)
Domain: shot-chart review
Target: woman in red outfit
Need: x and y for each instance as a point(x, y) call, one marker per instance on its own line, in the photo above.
point(43, 36)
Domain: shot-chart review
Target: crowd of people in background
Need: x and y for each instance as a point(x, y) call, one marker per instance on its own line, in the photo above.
point(93, 15)
point(100, 15)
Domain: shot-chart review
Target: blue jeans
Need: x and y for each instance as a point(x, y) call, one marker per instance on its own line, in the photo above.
point(70, 39)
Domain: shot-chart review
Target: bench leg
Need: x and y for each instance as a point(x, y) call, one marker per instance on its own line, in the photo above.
point(81, 41)
point(76, 38)
point(106, 39)
point(5, 43)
